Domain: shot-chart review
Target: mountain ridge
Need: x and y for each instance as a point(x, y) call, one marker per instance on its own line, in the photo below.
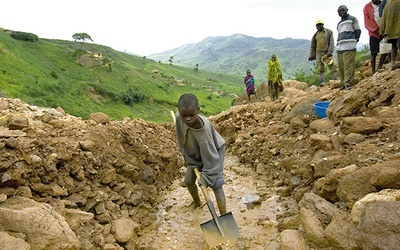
point(238, 52)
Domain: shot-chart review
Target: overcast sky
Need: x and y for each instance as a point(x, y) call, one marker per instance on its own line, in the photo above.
point(145, 27)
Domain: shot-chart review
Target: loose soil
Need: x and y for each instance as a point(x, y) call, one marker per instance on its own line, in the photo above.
point(180, 224)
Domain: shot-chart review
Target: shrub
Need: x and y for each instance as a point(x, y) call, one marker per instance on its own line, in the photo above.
point(311, 78)
point(133, 97)
point(54, 74)
point(24, 36)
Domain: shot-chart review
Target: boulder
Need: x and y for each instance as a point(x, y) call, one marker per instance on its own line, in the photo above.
point(379, 227)
point(43, 226)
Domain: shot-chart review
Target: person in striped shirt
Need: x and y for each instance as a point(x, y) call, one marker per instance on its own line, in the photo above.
point(349, 32)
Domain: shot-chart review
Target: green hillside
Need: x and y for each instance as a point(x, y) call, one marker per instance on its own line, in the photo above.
point(49, 73)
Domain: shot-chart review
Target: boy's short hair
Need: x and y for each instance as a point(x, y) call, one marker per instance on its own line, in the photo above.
point(188, 100)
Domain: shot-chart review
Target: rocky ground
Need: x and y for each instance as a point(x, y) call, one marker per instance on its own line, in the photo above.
point(293, 181)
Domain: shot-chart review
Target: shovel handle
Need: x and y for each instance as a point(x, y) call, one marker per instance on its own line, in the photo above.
point(209, 203)
point(173, 116)
point(203, 188)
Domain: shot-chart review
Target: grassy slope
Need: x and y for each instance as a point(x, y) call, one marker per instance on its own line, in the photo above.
point(46, 74)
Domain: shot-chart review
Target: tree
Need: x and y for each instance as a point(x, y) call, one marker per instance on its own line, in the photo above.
point(29, 37)
point(82, 37)
point(196, 68)
point(171, 60)
point(132, 97)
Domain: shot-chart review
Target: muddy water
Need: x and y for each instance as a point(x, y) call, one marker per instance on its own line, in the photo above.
point(180, 225)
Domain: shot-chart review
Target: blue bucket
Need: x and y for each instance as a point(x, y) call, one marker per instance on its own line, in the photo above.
point(320, 108)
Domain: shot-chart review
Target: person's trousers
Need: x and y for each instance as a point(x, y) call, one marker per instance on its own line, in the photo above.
point(347, 63)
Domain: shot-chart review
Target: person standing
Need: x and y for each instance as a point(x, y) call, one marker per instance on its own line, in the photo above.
point(274, 76)
point(202, 147)
point(372, 23)
point(349, 33)
point(322, 45)
point(250, 85)
point(390, 27)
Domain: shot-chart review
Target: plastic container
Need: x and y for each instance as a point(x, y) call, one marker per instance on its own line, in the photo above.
point(320, 108)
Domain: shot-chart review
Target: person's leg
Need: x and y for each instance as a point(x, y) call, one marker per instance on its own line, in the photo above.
point(221, 200)
point(269, 87)
point(398, 45)
point(374, 48)
point(276, 90)
point(341, 67)
point(349, 59)
point(373, 63)
point(394, 52)
point(273, 92)
point(190, 182)
point(320, 68)
point(382, 60)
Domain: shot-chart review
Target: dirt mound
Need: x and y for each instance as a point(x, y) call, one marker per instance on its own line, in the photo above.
point(110, 181)
point(106, 168)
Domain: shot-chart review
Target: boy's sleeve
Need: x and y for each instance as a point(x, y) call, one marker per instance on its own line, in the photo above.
point(211, 157)
point(211, 163)
point(180, 133)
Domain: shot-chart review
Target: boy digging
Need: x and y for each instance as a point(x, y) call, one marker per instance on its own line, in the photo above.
point(202, 147)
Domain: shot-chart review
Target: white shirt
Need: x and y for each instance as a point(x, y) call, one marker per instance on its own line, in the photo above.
point(376, 14)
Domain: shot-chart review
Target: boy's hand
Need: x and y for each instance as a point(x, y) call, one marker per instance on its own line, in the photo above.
point(202, 181)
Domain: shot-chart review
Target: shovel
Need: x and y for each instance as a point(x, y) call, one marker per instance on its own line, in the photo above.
point(220, 230)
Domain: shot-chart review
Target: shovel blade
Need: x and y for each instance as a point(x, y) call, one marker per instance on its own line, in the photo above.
point(229, 228)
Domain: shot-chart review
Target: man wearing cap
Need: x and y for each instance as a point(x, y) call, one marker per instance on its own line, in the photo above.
point(349, 33)
point(322, 45)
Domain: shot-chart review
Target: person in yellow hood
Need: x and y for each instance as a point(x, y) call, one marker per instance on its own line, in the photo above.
point(274, 76)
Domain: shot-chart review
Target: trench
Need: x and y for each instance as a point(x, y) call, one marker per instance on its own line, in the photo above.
point(178, 225)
